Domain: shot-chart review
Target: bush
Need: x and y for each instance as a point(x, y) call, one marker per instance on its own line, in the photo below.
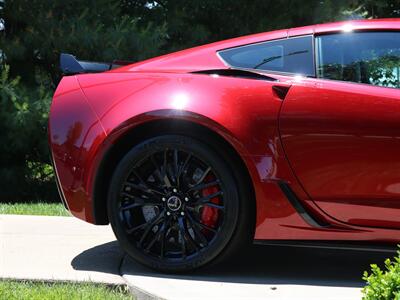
point(25, 170)
point(383, 284)
point(32, 35)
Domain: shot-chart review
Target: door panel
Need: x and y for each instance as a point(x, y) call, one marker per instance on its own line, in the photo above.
point(343, 143)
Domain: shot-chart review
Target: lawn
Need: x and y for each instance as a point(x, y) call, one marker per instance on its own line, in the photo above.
point(43, 209)
point(11, 290)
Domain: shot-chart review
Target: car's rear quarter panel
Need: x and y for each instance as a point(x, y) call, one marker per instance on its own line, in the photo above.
point(240, 106)
point(244, 112)
point(75, 134)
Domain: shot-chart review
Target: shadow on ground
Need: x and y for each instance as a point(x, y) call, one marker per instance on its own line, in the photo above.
point(104, 258)
point(260, 265)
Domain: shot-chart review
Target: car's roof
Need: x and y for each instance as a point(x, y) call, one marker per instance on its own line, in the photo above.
point(204, 58)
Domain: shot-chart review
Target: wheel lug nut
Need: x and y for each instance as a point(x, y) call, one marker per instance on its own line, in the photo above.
point(163, 199)
point(182, 213)
point(174, 190)
point(168, 213)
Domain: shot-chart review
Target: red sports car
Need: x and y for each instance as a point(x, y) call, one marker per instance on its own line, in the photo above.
point(285, 137)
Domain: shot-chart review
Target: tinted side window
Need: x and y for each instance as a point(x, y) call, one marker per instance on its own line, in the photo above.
point(364, 57)
point(293, 55)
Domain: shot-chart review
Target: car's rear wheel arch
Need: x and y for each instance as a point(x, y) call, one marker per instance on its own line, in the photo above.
point(150, 129)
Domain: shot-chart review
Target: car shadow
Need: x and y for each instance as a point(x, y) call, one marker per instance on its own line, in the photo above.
point(105, 258)
point(259, 265)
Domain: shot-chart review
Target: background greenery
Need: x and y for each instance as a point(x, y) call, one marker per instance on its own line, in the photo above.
point(30, 290)
point(34, 32)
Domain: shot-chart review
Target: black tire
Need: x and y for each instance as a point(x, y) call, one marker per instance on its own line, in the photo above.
point(157, 204)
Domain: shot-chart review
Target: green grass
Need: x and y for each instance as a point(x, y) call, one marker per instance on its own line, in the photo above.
point(14, 290)
point(38, 209)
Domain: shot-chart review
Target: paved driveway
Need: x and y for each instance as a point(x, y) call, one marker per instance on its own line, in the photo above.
point(44, 248)
point(59, 248)
point(262, 273)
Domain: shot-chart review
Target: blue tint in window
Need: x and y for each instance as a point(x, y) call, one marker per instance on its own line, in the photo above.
point(363, 57)
point(292, 55)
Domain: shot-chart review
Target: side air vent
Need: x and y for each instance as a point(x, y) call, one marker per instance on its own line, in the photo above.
point(281, 91)
point(291, 196)
point(236, 73)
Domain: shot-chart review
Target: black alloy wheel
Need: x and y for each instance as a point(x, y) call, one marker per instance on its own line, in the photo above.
point(174, 203)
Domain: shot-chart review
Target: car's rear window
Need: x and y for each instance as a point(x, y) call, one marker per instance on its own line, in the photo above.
point(292, 55)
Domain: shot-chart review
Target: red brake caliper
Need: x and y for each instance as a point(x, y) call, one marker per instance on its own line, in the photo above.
point(209, 215)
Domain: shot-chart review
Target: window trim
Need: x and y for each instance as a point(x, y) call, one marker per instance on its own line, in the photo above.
point(271, 71)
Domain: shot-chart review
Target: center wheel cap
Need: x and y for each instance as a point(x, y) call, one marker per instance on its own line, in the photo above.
point(174, 203)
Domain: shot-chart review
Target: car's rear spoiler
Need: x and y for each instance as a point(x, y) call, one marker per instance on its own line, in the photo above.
point(70, 65)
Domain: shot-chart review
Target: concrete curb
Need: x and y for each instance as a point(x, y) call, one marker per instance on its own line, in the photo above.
point(138, 292)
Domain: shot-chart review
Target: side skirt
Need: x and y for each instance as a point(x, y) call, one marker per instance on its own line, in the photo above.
point(353, 246)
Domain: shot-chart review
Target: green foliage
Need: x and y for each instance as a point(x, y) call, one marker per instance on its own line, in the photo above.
point(29, 290)
point(385, 71)
point(25, 170)
point(33, 209)
point(190, 23)
point(383, 284)
point(35, 32)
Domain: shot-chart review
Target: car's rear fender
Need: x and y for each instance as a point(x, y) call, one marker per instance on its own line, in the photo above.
point(74, 135)
point(241, 111)
point(245, 108)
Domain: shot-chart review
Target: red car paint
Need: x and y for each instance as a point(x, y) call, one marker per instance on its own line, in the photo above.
point(337, 154)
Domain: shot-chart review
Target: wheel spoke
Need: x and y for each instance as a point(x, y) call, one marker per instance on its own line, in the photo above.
point(163, 179)
point(144, 189)
point(176, 167)
point(205, 173)
point(151, 199)
point(165, 158)
point(157, 236)
point(138, 202)
point(131, 206)
point(202, 186)
point(183, 225)
point(162, 242)
point(197, 232)
point(150, 226)
point(220, 207)
point(184, 166)
point(132, 230)
point(206, 199)
point(195, 222)
point(146, 185)
point(182, 233)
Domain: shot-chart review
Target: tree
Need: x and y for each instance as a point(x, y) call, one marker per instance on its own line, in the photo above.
point(194, 22)
point(34, 32)
point(37, 31)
